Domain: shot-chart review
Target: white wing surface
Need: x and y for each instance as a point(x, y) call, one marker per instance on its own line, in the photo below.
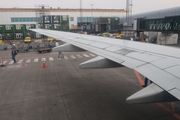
point(161, 64)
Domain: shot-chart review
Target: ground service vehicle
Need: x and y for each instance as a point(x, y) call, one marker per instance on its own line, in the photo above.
point(118, 36)
point(27, 39)
point(44, 47)
point(49, 39)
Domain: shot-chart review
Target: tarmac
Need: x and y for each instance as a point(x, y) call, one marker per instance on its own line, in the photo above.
point(63, 91)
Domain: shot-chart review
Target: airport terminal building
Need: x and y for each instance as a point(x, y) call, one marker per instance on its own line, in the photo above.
point(16, 22)
point(162, 25)
point(31, 16)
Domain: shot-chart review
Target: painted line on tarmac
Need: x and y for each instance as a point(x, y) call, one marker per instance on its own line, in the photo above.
point(65, 57)
point(40, 57)
point(51, 59)
point(20, 61)
point(36, 60)
point(4, 62)
point(11, 62)
point(28, 60)
point(85, 55)
point(24, 65)
point(79, 56)
point(72, 56)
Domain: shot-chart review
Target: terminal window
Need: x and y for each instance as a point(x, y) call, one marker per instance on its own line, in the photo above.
point(47, 27)
point(38, 26)
point(8, 36)
point(56, 26)
point(24, 19)
point(8, 27)
point(18, 27)
point(72, 18)
point(28, 27)
point(18, 35)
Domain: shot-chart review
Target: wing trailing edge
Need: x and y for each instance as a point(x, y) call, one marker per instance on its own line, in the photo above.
point(67, 48)
point(151, 94)
point(99, 62)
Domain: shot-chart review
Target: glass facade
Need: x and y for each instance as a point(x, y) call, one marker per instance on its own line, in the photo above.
point(85, 19)
point(24, 19)
point(166, 24)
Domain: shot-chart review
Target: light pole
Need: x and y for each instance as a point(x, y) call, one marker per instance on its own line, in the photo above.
point(91, 11)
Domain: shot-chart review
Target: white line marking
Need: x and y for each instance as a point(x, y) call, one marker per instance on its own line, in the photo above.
point(51, 59)
point(65, 57)
point(79, 56)
point(28, 60)
point(36, 60)
point(85, 55)
point(20, 61)
point(4, 62)
point(72, 56)
point(43, 59)
point(11, 62)
point(92, 55)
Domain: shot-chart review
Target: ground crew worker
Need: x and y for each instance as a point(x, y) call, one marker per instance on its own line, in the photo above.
point(13, 53)
point(60, 53)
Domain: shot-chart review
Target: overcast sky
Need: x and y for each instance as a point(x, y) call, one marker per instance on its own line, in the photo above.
point(139, 6)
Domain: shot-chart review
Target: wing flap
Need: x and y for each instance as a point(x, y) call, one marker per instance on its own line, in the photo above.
point(160, 77)
point(175, 92)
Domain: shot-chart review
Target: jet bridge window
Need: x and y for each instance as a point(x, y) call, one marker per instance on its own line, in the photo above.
point(8, 27)
point(18, 35)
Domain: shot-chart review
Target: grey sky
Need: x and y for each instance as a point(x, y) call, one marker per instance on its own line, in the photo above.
point(139, 6)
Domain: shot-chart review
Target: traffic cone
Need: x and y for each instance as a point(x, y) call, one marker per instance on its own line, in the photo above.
point(44, 66)
point(2, 64)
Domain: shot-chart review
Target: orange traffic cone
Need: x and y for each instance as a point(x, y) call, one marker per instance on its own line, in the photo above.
point(44, 66)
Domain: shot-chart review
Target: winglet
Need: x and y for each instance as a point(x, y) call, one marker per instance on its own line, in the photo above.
point(151, 94)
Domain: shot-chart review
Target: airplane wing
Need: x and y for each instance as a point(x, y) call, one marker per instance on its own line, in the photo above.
point(161, 64)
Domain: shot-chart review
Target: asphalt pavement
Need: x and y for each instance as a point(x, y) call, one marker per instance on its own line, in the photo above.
point(63, 91)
